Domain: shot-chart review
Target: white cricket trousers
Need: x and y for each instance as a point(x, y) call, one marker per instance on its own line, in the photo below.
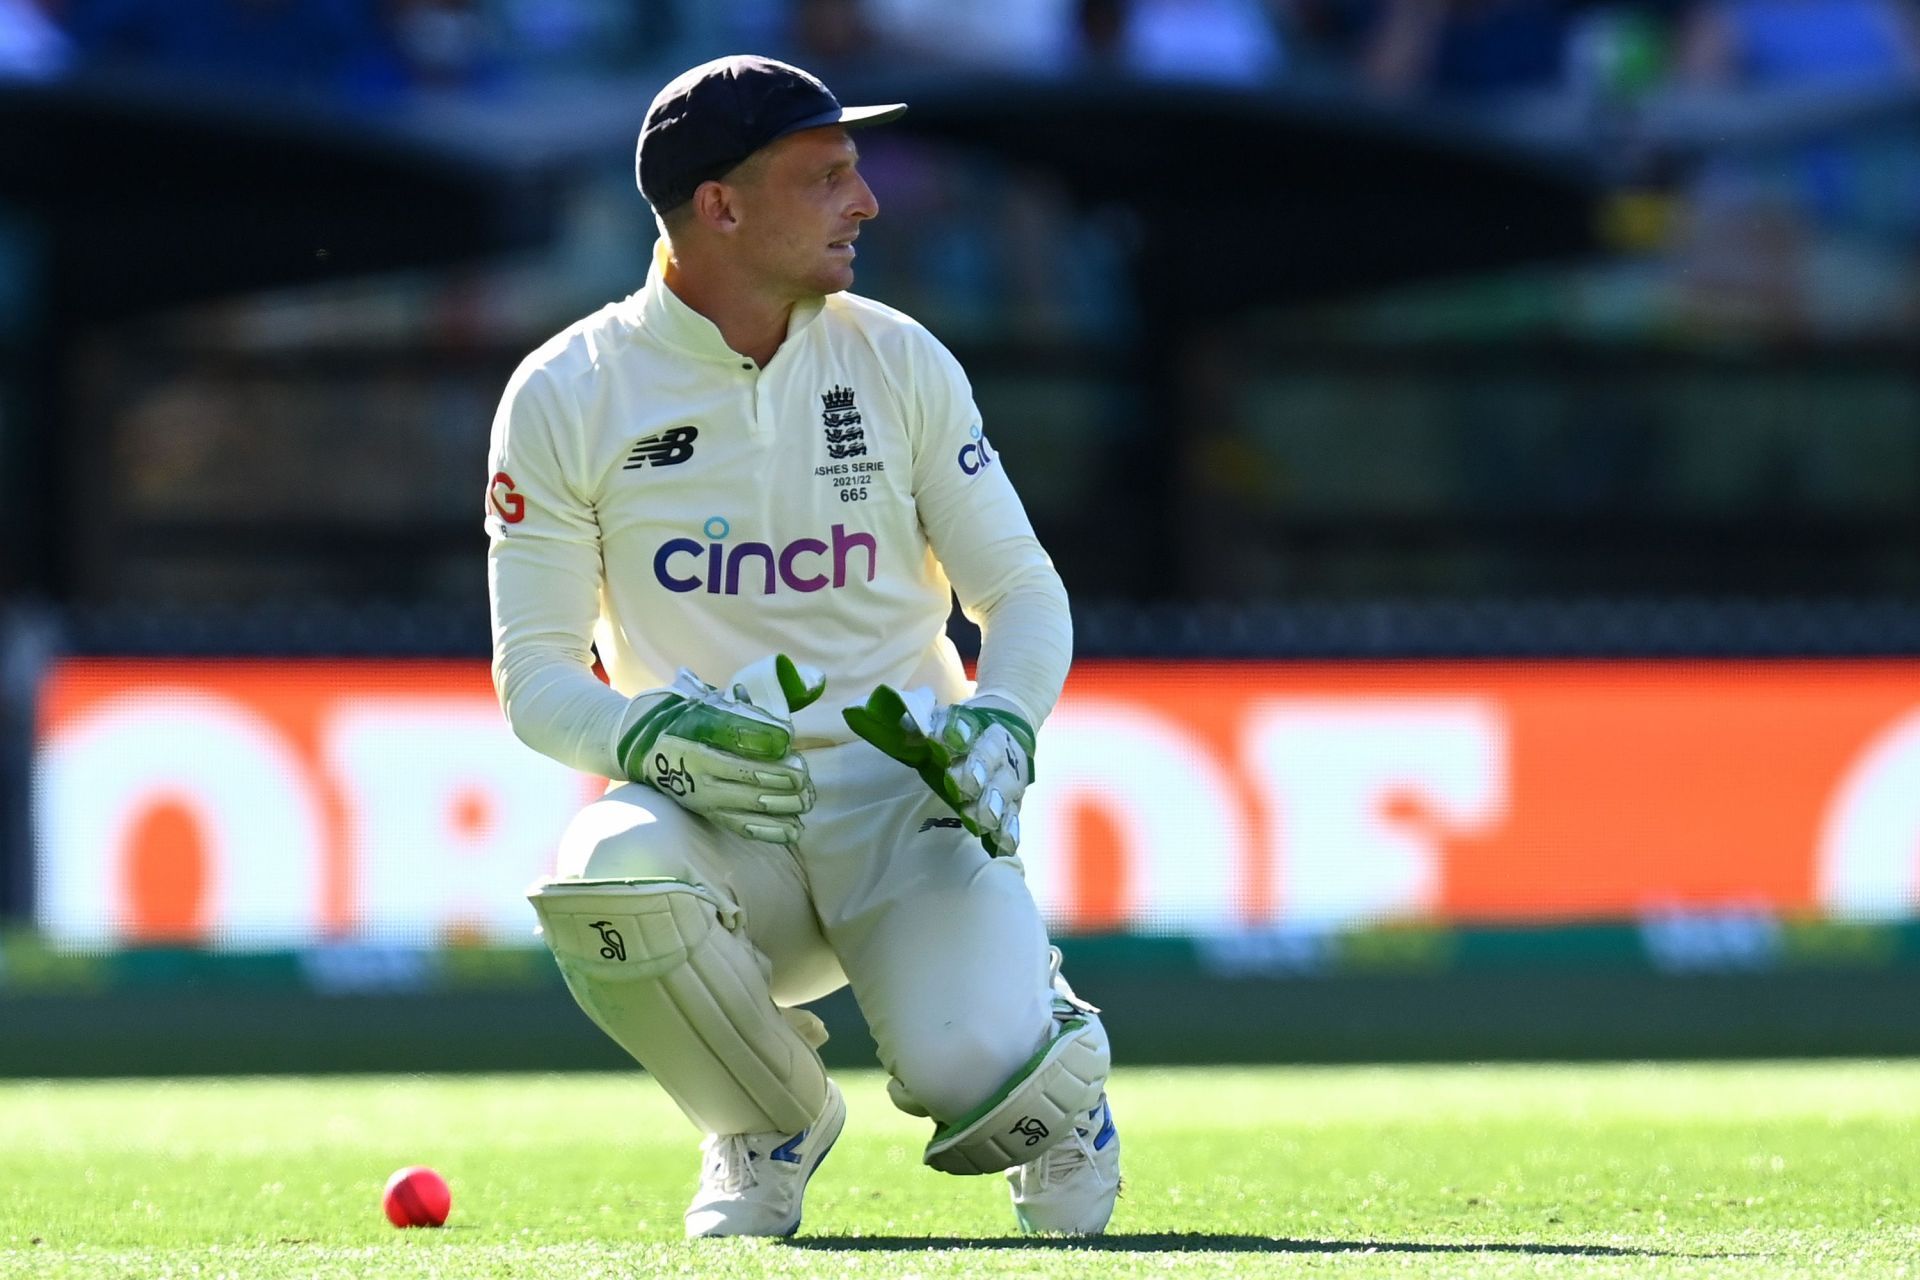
point(943, 945)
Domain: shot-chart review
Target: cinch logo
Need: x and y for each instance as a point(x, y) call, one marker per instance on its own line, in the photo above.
point(724, 565)
point(974, 458)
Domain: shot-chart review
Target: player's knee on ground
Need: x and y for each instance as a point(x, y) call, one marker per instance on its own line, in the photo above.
point(1038, 1107)
point(950, 1070)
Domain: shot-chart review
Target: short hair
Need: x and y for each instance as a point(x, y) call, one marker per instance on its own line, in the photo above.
point(674, 219)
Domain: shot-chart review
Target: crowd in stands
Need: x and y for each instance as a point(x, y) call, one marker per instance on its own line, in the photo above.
point(1820, 237)
point(1757, 233)
point(336, 48)
point(1442, 49)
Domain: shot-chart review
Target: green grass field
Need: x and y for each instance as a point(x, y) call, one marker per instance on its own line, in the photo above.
point(1801, 1169)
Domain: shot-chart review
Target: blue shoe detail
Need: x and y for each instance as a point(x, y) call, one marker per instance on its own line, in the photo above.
point(794, 1230)
point(1106, 1134)
point(788, 1150)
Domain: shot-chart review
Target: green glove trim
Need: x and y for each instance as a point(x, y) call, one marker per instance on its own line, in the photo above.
point(1022, 731)
point(885, 722)
point(636, 744)
point(794, 686)
point(708, 723)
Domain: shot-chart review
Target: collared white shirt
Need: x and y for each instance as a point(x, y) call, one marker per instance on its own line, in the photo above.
point(662, 497)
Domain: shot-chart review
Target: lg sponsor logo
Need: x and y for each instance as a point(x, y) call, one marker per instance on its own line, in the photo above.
point(503, 502)
point(805, 564)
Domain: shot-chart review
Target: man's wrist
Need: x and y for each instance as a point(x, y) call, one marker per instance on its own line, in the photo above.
point(638, 737)
point(988, 699)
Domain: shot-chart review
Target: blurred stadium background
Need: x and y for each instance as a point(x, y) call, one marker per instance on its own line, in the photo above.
point(1481, 438)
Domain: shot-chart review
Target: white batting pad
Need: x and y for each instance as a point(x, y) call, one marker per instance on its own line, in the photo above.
point(654, 963)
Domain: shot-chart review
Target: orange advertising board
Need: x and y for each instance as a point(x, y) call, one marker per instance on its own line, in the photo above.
point(251, 804)
point(1480, 792)
point(278, 803)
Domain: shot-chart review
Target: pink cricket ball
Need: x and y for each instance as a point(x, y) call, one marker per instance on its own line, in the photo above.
point(416, 1196)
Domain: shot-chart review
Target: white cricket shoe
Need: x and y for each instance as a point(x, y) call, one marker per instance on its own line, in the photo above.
point(1071, 1189)
point(751, 1184)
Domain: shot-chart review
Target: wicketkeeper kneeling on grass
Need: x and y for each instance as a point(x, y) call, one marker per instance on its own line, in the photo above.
point(746, 476)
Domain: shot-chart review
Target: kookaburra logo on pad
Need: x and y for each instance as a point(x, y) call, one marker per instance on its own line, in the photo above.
point(1032, 1126)
point(612, 945)
point(840, 419)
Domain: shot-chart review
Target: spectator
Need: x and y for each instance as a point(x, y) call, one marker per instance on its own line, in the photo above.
point(31, 47)
point(1100, 28)
point(297, 45)
point(1782, 237)
point(833, 36)
point(1330, 33)
point(575, 37)
point(1770, 43)
point(1226, 41)
point(1466, 48)
point(995, 35)
point(444, 44)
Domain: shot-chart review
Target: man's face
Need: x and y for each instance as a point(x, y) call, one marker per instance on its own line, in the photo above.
point(800, 202)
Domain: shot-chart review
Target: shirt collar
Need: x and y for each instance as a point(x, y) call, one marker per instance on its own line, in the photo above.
point(667, 319)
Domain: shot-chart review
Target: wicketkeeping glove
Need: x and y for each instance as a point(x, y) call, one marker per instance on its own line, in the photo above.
point(721, 755)
point(978, 759)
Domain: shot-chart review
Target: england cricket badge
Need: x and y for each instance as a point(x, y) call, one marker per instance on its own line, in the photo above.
point(840, 419)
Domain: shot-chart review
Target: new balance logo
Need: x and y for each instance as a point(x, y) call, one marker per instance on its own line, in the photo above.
point(662, 449)
point(931, 823)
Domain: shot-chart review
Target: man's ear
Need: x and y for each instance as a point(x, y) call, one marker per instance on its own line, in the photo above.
point(713, 206)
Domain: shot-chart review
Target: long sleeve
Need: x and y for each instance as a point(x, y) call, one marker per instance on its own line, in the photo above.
point(543, 584)
point(980, 533)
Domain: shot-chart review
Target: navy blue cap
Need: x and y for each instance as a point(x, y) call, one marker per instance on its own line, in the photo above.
point(710, 118)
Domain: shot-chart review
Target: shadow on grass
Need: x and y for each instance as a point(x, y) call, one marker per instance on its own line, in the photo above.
point(1201, 1242)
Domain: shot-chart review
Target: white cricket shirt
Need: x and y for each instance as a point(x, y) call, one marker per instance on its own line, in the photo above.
point(659, 496)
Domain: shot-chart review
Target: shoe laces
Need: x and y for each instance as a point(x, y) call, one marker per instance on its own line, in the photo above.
point(1065, 1159)
point(728, 1166)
